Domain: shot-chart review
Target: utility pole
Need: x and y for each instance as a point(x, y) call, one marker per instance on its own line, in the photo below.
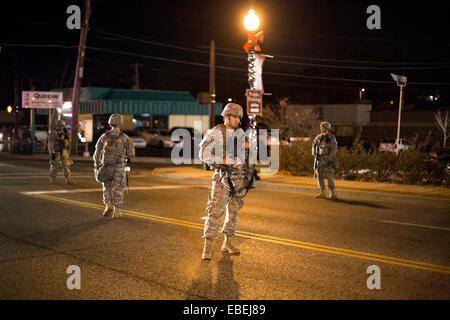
point(136, 76)
point(212, 85)
point(79, 77)
point(399, 119)
point(401, 82)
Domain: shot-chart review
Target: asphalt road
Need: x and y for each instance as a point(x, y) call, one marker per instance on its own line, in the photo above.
point(292, 246)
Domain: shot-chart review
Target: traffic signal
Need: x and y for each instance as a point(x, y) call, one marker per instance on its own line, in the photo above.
point(9, 109)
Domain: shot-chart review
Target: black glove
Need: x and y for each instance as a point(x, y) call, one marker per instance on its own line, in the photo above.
point(53, 156)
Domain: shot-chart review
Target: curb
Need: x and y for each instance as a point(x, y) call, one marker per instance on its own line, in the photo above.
point(45, 157)
point(358, 194)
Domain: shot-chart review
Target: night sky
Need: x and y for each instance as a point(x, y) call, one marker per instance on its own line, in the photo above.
point(323, 50)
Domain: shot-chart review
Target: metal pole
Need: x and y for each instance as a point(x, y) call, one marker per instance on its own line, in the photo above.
point(212, 85)
point(136, 76)
point(33, 142)
point(79, 78)
point(212, 90)
point(399, 118)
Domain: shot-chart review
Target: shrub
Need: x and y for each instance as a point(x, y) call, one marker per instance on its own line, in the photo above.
point(412, 166)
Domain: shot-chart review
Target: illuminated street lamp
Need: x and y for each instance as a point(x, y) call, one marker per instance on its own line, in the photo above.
point(251, 24)
point(251, 21)
point(361, 93)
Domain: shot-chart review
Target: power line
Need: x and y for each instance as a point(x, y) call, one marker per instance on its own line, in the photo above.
point(278, 61)
point(237, 69)
point(345, 61)
point(153, 42)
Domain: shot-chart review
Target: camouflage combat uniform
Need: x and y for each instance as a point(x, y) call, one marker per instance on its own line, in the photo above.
point(228, 182)
point(58, 148)
point(326, 146)
point(113, 148)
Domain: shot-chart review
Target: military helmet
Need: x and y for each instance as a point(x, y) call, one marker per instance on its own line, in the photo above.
point(326, 125)
point(233, 109)
point(115, 120)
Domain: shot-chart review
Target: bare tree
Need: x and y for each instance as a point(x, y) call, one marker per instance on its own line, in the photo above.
point(442, 123)
point(291, 119)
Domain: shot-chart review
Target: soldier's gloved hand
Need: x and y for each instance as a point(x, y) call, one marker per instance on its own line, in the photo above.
point(53, 156)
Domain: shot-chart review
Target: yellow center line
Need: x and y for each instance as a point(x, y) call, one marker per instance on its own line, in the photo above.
point(266, 238)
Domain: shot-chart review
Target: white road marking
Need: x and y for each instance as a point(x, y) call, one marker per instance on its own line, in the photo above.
point(415, 225)
point(100, 190)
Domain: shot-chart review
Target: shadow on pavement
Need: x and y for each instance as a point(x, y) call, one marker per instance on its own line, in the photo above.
point(54, 236)
point(360, 203)
point(226, 286)
point(201, 287)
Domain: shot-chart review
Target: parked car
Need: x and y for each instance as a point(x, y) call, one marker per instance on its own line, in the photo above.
point(138, 141)
point(147, 133)
point(390, 145)
point(162, 139)
point(40, 133)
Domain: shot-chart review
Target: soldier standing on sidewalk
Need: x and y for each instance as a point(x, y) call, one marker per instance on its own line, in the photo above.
point(112, 152)
point(230, 182)
point(58, 148)
point(324, 150)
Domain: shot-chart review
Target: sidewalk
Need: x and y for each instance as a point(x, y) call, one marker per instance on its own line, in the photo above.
point(278, 181)
point(309, 184)
point(44, 156)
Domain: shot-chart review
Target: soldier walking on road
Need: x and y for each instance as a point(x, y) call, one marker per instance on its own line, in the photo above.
point(114, 149)
point(230, 182)
point(58, 148)
point(324, 150)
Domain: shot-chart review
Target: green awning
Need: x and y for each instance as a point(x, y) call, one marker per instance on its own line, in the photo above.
point(155, 102)
point(151, 107)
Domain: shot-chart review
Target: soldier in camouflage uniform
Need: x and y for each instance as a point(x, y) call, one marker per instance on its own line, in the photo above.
point(230, 181)
point(113, 149)
point(324, 150)
point(58, 148)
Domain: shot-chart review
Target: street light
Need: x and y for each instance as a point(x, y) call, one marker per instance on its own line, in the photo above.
point(251, 24)
point(251, 21)
point(361, 93)
point(401, 82)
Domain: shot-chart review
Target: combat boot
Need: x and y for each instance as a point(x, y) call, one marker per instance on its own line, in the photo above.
point(333, 195)
point(207, 250)
point(116, 212)
point(321, 194)
point(52, 180)
point(68, 181)
point(108, 209)
point(228, 245)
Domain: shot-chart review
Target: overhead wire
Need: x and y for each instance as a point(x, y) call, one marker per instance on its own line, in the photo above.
point(145, 56)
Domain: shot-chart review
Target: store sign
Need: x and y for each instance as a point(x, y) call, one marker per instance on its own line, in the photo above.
point(42, 99)
point(254, 102)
